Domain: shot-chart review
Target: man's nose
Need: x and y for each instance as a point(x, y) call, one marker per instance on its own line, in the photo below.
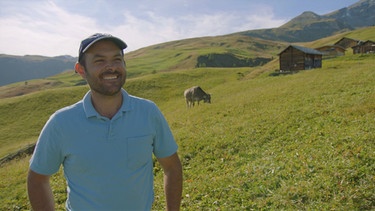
point(110, 66)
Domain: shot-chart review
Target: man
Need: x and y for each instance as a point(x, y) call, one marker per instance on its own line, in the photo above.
point(105, 141)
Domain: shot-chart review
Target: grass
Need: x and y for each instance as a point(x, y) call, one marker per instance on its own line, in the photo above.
point(295, 142)
point(23, 117)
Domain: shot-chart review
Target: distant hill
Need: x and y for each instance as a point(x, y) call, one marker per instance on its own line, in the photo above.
point(360, 14)
point(310, 26)
point(22, 68)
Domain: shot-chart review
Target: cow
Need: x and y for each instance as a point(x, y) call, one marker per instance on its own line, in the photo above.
point(196, 93)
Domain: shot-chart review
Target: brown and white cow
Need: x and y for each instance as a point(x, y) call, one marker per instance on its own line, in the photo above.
point(196, 93)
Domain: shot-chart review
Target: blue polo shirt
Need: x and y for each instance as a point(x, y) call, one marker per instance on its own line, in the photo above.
point(107, 162)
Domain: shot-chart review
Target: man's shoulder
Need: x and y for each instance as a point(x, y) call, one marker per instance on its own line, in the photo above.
point(139, 101)
point(73, 110)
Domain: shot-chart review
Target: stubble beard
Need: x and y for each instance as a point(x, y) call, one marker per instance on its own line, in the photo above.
point(110, 88)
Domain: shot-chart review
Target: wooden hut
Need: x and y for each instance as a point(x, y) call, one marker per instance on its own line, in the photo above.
point(331, 50)
point(364, 47)
point(295, 58)
point(346, 42)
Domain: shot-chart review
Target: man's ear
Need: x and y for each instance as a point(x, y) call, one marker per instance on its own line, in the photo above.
point(80, 69)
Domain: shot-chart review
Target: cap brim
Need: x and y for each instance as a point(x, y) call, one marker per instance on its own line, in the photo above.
point(121, 44)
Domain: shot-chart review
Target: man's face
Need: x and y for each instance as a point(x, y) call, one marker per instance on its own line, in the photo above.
point(105, 70)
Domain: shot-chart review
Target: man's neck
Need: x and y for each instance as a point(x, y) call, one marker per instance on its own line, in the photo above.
point(106, 106)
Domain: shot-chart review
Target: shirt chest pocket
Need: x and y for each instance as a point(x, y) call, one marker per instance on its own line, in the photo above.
point(139, 151)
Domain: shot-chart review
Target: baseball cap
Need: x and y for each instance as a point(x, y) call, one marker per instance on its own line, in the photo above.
point(88, 42)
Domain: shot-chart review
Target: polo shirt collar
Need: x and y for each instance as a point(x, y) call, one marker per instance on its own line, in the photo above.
point(90, 111)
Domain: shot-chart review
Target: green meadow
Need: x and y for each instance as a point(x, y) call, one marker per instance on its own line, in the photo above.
point(303, 141)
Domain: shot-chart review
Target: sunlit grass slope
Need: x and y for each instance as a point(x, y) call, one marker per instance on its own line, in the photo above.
point(296, 142)
point(183, 54)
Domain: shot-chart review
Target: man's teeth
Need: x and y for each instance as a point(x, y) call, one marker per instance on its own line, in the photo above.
point(109, 77)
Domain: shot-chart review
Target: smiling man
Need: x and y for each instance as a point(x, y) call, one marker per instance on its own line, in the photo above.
point(105, 141)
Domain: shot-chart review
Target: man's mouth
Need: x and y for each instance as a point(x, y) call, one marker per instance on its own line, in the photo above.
point(110, 77)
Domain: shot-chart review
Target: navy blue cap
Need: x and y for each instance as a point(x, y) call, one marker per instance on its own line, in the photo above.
point(88, 42)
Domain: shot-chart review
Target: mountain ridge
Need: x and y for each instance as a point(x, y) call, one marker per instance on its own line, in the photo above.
point(22, 68)
point(310, 26)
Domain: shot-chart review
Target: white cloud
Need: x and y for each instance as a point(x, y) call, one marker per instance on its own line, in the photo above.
point(44, 28)
point(261, 19)
point(153, 28)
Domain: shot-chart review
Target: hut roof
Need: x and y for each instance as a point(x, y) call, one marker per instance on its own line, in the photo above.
point(331, 46)
point(346, 38)
point(304, 49)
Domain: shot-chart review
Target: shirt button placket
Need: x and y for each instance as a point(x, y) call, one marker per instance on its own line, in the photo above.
point(111, 131)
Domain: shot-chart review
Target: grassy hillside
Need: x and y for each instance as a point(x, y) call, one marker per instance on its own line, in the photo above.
point(296, 142)
point(165, 57)
point(65, 79)
point(302, 141)
point(183, 54)
point(364, 34)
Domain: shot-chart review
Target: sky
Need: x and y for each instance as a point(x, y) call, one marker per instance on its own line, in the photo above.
point(56, 27)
